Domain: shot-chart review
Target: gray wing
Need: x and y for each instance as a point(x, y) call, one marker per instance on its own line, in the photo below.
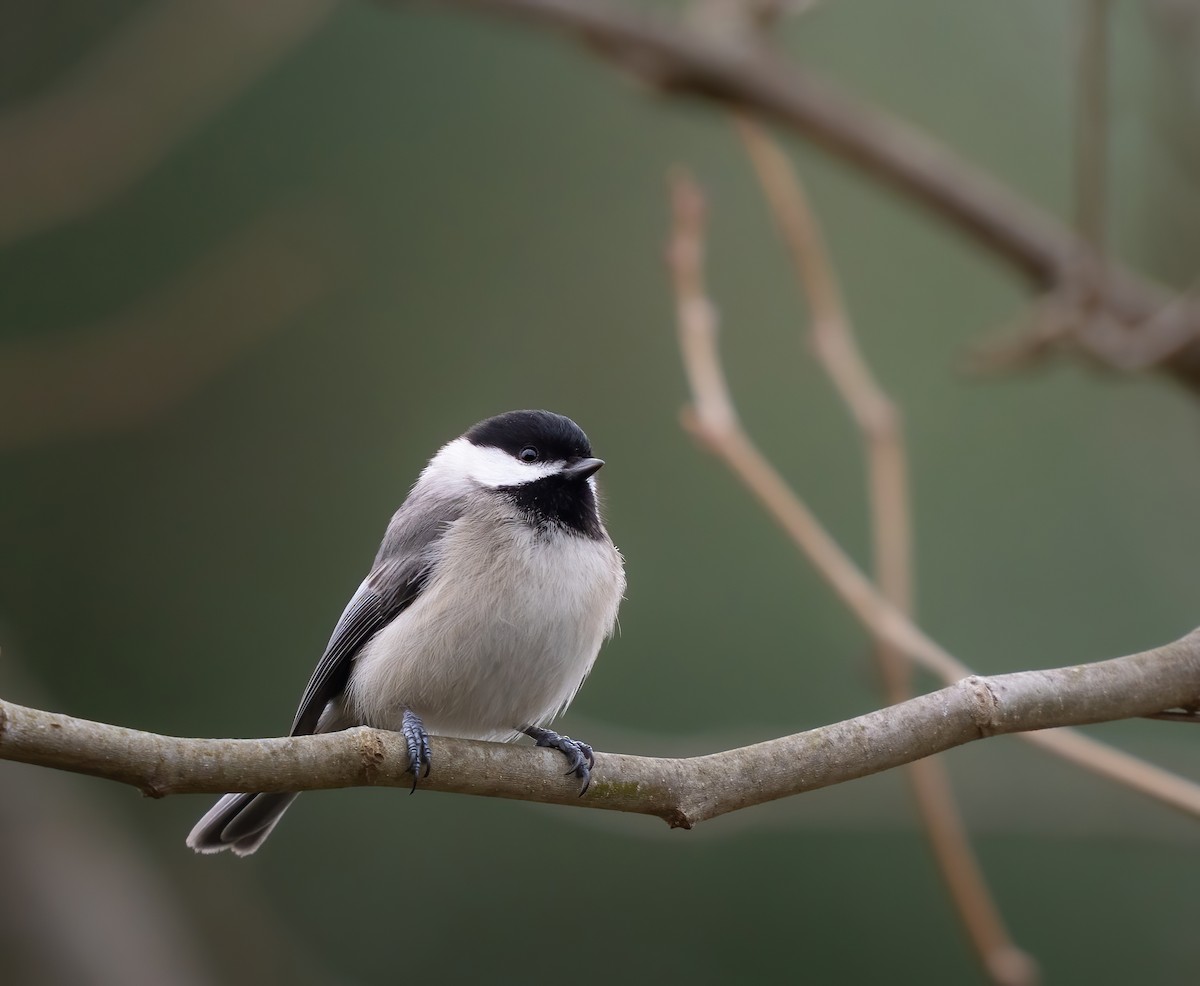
point(399, 575)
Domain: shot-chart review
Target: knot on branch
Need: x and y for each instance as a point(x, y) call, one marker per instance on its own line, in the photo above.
point(985, 707)
point(372, 754)
point(677, 818)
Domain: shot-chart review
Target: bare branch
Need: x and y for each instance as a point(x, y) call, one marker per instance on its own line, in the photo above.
point(713, 421)
point(887, 466)
point(676, 59)
point(833, 340)
point(683, 792)
point(683, 61)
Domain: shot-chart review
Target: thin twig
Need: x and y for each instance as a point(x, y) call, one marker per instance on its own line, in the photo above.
point(873, 412)
point(713, 421)
point(882, 433)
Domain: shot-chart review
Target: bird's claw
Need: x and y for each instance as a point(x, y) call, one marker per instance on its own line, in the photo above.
point(580, 758)
point(417, 741)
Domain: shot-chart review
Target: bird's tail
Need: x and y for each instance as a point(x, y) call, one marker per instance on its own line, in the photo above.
point(240, 822)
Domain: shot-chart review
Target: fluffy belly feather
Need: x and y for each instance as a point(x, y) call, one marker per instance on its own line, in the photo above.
point(501, 638)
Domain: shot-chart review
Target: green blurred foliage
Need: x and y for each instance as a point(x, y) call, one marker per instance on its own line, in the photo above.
point(498, 199)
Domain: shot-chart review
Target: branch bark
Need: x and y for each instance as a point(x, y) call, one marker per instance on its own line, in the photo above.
point(683, 792)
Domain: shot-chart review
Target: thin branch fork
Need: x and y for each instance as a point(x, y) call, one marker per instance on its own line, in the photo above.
point(683, 792)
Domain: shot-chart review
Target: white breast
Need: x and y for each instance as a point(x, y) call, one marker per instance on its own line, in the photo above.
point(501, 638)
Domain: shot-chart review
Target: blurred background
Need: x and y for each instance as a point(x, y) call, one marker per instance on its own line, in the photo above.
point(259, 261)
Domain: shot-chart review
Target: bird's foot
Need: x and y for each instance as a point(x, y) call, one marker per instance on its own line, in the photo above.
point(417, 741)
point(580, 759)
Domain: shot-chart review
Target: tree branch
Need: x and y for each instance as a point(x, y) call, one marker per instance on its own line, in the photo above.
point(681, 60)
point(683, 792)
point(713, 420)
point(880, 425)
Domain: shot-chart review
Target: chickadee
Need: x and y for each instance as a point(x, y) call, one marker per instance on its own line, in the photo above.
point(492, 591)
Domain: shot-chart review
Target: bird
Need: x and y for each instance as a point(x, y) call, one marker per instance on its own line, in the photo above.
point(494, 587)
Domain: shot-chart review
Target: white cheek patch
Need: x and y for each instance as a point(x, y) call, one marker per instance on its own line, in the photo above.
point(461, 461)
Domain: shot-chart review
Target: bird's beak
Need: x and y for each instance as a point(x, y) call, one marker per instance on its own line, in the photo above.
point(581, 468)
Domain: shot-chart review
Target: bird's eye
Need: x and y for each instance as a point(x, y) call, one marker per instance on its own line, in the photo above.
point(528, 454)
